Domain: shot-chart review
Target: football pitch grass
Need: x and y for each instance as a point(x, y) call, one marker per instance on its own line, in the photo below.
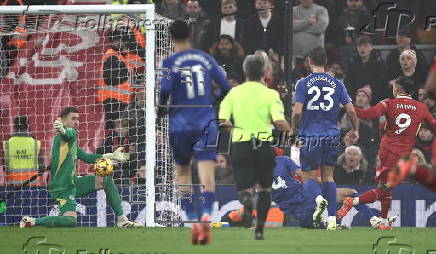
point(81, 240)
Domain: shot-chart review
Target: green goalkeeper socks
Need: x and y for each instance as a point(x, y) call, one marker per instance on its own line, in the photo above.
point(56, 221)
point(112, 196)
point(86, 185)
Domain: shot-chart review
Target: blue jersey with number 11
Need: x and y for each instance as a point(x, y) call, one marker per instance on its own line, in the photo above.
point(321, 95)
point(188, 84)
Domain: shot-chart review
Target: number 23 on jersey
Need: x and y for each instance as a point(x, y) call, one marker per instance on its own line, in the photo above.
point(322, 98)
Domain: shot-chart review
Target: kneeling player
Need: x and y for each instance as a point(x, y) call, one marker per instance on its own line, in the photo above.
point(65, 186)
point(300, 199)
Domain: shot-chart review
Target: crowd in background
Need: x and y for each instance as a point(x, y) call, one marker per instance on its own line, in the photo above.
point(231, 29)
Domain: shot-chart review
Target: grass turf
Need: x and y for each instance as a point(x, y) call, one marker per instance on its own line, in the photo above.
point(225, 240)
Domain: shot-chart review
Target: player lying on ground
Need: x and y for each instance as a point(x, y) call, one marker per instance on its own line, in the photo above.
point(403, 120)
point(300, 199)
point(65, 186)
point(192, 129)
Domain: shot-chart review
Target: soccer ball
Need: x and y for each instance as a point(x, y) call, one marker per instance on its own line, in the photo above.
point(103, 167)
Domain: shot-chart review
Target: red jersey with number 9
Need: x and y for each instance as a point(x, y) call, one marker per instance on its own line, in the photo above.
point(404, 117)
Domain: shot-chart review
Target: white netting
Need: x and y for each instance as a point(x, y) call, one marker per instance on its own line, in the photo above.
point(58, 62)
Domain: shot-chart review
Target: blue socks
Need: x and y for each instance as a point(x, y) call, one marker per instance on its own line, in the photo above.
point(363, 208)
point(187, 203)
point(207, 201)
point(329, 190)
point(312, 187)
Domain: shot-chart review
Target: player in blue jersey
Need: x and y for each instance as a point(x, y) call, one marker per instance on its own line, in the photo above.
point(303, 200)
point(187, 84)
point(315, 116)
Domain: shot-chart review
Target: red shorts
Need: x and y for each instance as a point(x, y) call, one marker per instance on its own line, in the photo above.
point(388, 160)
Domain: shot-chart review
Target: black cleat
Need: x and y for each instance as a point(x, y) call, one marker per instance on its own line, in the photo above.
point(258, 233)
point(259, 236)
point(247, 220)
point(247, 215)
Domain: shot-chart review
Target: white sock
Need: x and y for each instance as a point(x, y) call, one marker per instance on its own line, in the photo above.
point(319, 197)
point(356, 201)
point(122, 218)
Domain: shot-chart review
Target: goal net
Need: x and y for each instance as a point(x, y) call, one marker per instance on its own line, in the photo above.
point(102, 60)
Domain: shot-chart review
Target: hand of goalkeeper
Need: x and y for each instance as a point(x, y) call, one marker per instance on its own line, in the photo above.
point(118, 155)
point(59, 126)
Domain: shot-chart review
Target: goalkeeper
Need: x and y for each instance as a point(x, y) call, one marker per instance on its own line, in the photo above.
point(65, 186)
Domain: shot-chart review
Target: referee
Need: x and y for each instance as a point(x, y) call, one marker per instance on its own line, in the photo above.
point(252, 107)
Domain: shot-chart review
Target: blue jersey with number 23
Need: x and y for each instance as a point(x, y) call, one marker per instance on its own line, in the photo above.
point(321, 95)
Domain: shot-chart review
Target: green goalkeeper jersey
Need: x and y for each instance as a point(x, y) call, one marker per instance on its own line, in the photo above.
point(64, 154)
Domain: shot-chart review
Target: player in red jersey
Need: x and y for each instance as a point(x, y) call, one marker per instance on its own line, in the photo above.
point(431, 92)
point(409, 165)
point(403, 120)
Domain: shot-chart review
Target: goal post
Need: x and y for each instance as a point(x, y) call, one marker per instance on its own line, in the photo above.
point(150, 119)
point(75, 41)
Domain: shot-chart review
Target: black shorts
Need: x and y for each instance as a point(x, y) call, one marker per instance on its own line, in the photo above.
point(251, 165)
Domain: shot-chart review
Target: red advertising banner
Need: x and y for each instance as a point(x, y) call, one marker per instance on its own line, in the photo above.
point(59, 67)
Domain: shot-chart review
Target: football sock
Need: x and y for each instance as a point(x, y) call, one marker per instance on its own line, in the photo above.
point(329, 191)
point(208, 199)
point(385, 205)
point(86, 185)
point(188, 206)
point(312, 187)
point(363, 208)
point(113, 196)
point(372, 195)
point(263, 205)
point(56, 221)
point(425, 177)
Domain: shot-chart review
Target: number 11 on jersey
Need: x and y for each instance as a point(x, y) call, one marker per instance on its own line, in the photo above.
point(186, 75)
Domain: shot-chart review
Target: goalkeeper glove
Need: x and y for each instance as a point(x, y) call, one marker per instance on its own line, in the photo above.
point(59, 126)
point(118, 155)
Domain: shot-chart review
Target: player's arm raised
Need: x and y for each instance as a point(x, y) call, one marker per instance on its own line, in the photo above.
point(372, 112)
point(68, 134)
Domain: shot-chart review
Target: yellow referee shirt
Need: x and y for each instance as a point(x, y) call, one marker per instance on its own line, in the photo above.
point(253, 107)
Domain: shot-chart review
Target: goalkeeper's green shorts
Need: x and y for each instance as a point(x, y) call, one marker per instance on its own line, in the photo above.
point(66, 199)
point(66, 205)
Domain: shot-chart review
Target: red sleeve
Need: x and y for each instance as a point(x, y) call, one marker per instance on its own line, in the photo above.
point(428, 118)
point(433, 68)
point(372, 112)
